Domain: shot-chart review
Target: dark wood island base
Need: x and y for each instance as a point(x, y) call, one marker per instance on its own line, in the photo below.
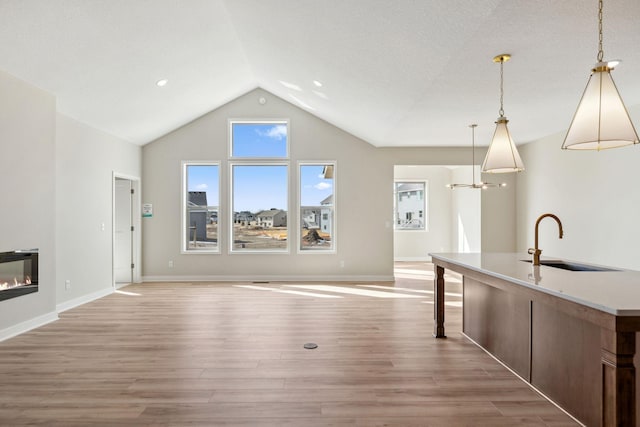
point(581, 357)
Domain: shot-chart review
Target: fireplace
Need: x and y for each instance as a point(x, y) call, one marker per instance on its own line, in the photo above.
point(18, 273)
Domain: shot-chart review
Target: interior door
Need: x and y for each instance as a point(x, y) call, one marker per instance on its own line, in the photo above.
point(123, 253)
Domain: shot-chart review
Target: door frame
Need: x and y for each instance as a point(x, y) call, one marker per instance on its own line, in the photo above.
point(136, 215)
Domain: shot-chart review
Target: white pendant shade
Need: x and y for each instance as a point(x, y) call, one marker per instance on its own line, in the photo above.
point(502, 156)
point(601, 120)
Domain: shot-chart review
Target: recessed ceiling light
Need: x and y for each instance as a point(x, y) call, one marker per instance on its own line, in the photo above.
point(317, 83)
point(162, 82)
point(290, 85)
point(301, 102)
point(320, 94)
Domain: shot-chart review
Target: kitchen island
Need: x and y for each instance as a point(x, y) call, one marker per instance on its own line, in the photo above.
point(571, 334)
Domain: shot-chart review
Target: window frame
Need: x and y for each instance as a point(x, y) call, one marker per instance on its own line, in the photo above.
point(425, 205)
point(334, 227)
point(183, 208)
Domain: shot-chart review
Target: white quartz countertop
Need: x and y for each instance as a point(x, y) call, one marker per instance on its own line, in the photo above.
point(616, 292)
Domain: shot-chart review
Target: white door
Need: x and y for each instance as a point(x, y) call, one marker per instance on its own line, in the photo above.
point(123, 253)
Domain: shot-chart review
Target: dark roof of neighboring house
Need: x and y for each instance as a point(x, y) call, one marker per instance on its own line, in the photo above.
point(198, 198)
point(327, 201)
point(271, 212)
point(410, 186)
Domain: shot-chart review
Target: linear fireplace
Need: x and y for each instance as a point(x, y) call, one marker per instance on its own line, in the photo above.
point(18, 273)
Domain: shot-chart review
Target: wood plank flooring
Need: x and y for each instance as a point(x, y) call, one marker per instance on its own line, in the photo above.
point(231, 354)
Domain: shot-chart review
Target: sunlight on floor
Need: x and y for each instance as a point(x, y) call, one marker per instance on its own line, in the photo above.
point(285, 291)
point(398, 273)
point(133, 294)
point(421, 273)
point(353, 291)
point(424, 276)
point(393, 288)
point(447, 303)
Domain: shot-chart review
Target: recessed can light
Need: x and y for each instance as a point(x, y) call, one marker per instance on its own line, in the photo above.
point(162, 82)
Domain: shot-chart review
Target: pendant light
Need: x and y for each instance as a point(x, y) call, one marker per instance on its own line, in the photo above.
point(601, 120)
point(482, 185)
point(502, 155)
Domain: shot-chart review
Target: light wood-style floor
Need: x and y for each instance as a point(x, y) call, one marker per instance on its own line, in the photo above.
point(209, 354)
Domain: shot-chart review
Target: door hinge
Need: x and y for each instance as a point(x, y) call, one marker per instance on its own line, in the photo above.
point(132, 191)
point(132, 228)
point(132, 265)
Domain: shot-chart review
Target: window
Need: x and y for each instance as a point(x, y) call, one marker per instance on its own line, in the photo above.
point(259, 139)
point(201, 196)
point(259, 186)
point(410, 205)
point(317, 206)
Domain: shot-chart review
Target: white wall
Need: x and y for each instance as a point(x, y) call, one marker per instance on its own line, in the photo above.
point(85, 161)
point(415, 245)
point(466, 205)
point(595, 195)
point(27, 192)
point(498, 221)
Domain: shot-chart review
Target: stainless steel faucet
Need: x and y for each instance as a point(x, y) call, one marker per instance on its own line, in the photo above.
point(535, 251)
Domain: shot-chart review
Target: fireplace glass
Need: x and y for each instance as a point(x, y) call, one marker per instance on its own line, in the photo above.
point(18, 273)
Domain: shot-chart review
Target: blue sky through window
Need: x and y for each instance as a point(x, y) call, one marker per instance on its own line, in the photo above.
point(313, 187)
point(259, 140)
point(257, 188)
point(204, 178)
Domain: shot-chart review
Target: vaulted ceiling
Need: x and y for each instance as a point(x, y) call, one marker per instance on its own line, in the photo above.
point(393, 72)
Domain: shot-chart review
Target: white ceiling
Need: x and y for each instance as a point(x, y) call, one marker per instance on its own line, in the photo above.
point(394, 72)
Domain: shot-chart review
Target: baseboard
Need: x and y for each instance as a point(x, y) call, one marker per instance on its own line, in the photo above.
point(68, 305)
point(27, 325)
point(267, 278)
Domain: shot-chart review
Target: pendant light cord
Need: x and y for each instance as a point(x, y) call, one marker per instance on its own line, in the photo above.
point(473, 153)
point(600, 52)
point(501, 111)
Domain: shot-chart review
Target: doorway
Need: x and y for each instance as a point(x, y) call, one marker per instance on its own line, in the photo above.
point(450, 220)
point(126, 230)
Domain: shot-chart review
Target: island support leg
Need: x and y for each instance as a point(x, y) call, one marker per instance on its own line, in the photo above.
point(438, 303)
point(618, 378)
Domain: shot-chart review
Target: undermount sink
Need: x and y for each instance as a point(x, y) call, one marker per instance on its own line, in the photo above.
point(572, 266)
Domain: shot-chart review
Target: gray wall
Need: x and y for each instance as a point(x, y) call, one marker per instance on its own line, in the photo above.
point(364, 198)
point(86, 159)
point(364, 216)
point(499, 213)
point(27, 192)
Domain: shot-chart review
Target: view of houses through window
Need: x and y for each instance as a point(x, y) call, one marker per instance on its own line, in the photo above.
point(259, 196)
point(260, 199)
point(201, 203)
point(317, 206)
point(410, 205)
point(259, 186)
